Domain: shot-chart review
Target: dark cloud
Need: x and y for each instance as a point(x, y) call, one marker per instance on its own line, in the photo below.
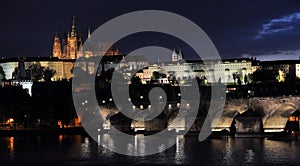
point(288, 23)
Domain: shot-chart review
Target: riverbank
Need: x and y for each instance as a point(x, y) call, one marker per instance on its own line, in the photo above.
point(43, 131)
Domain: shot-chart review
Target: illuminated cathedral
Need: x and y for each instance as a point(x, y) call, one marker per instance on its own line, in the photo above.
point(70, 47)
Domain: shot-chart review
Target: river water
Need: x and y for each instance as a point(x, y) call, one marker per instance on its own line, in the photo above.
point(81, 150)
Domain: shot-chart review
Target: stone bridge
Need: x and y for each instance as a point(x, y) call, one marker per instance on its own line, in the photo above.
point(275, 112)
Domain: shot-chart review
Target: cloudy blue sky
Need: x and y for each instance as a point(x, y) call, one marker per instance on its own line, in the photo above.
point(236, 27)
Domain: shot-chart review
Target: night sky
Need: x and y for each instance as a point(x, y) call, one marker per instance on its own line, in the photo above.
point(236, 27)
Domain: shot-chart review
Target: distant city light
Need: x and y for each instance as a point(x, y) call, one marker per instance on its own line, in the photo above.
point(11, 120)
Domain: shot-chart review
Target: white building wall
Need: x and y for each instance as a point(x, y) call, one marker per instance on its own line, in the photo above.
point(9, 68)
point(297, 68)
point(211, 70)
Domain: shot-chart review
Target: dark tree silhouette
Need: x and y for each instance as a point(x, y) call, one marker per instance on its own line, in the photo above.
point(15, 73)
point(135, 80)
point(36, 71)
point(219, 80)
point(155, 76)
point(2, 73)
point(263, 76)
point(239, 81)
point(64, 109)
point(234, 76)
point(245, 79)
point(15, 102)
point(48, 74)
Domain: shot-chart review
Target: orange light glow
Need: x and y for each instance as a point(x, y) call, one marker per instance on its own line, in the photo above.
point(77, 122)
point(11, 144)
point(59, 123)
point(60, 138)
point(11, 120)
point(293, 118)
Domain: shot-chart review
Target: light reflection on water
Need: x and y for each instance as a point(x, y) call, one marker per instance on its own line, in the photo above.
point(77, 149)
point(11, 147)
point(85, 148)
point(180, 151)
point(277, 151)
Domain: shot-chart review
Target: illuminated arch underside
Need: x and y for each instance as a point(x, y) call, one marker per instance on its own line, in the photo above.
point(276, 112)
point(278, 119)
point(231, 109)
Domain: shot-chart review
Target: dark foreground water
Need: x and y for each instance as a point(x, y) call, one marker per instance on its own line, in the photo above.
point(81, 150)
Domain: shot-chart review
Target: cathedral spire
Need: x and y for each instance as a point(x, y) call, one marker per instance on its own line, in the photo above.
point(73, 33)
point(89, 33)
point(56, 32)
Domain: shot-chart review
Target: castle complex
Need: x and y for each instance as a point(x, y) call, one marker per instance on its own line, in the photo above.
point(70, 48)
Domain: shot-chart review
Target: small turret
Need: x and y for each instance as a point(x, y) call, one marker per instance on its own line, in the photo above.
point(89, 34)
point(180, 56)
point(174, 56)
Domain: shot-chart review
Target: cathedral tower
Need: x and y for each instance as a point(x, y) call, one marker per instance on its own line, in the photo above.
point(73, 42)
point(56, 51)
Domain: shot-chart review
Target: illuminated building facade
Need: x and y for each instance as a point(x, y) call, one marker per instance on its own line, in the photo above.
point(62, 67)
point(212, 71)
point(287, 69)
point(297, 70)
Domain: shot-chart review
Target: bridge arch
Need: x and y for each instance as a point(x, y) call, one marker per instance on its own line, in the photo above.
point(276, 120)
point(225, 121)
point(232, 108)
